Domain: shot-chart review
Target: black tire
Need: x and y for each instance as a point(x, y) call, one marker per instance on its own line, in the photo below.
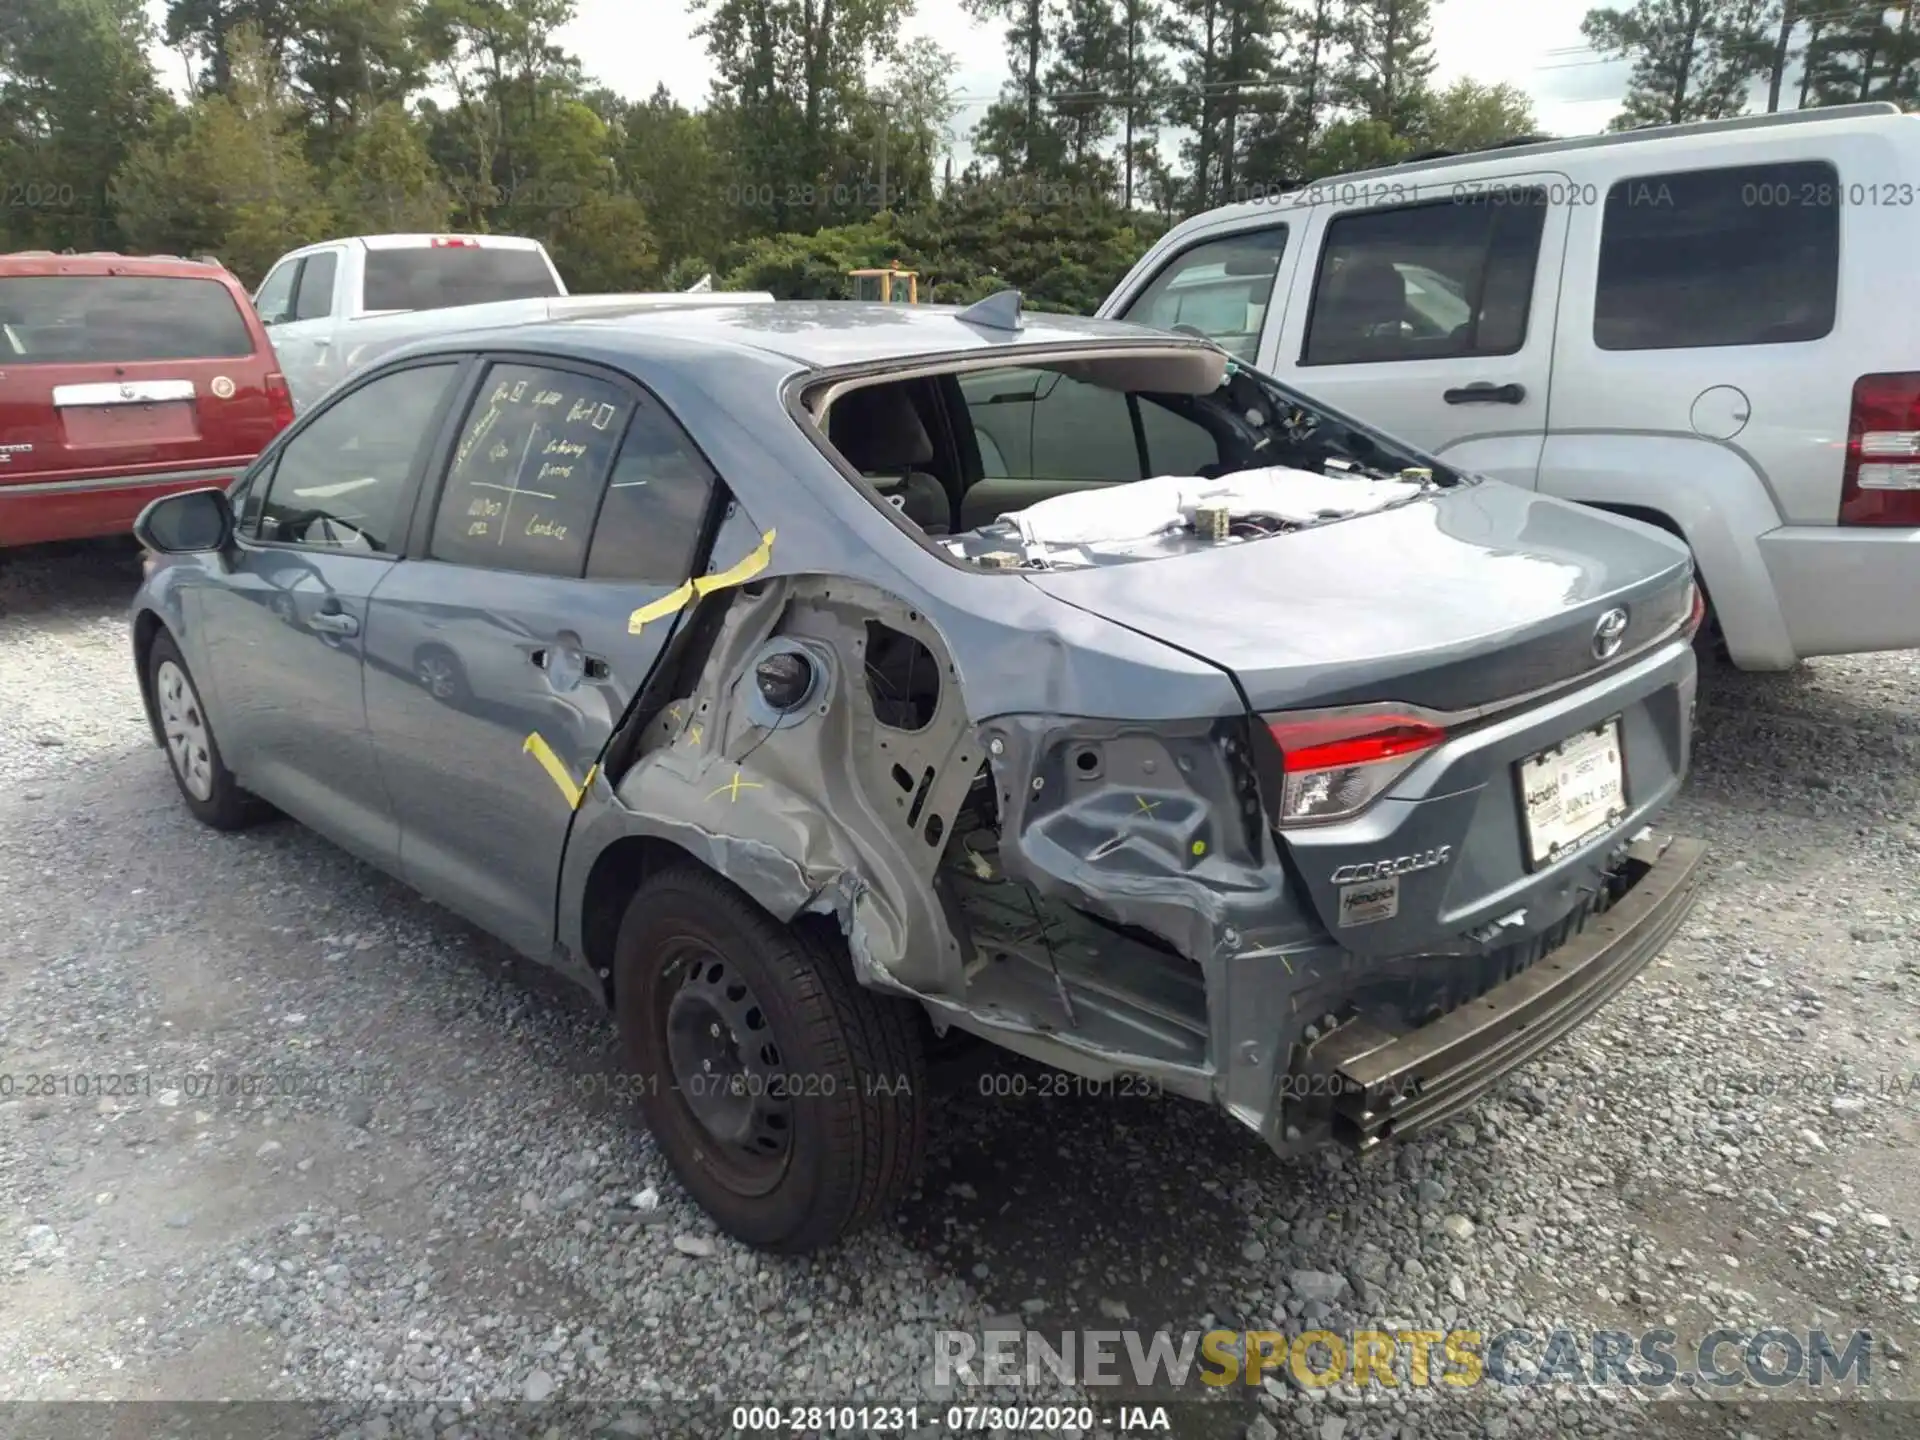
point(851, 1061)
point(225, 806)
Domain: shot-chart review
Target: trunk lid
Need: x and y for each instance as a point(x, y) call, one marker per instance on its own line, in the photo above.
point(1462, 599)
point(1467, 597)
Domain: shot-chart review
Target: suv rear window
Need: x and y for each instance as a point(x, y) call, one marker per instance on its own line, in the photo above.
point(1741, 256)
point(85, 319)
point(433, 278)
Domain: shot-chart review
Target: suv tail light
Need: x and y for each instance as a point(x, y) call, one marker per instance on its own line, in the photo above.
point(1333, 766)
point(1881, 484)
point(279, 401)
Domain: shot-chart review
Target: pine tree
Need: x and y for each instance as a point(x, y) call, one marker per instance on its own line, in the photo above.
point(1692, 59)
point(1390, 57)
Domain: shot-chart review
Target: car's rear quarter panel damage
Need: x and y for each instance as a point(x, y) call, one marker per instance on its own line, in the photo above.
point(1071, 885)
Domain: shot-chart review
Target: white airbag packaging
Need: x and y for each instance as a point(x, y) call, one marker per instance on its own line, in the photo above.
point(1143, 509)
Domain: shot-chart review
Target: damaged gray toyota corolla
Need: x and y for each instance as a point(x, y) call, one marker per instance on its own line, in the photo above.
point(810, 681)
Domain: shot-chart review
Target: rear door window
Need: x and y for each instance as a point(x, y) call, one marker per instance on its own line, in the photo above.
point(437, 276)
point(1748, 255)
point(529, 470)
point(656, 503)
point(1219, 287)
point(98, 319)
point(1427, 282)
point(314, 298)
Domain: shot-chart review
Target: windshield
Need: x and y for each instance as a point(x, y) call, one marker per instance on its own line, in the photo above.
point(438, 277)
point(90, 319)
point(1115, 458)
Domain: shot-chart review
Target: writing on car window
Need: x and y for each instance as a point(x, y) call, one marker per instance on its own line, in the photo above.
point(529, 470)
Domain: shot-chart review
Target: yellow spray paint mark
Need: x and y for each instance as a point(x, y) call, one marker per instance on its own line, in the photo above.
point(751, 565)
point(733, 788)
point(1145, 807)
point(536, 746)
point(694, 732)
point(1199, 848)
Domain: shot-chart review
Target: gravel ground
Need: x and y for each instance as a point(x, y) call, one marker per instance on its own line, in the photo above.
point(465, 1216)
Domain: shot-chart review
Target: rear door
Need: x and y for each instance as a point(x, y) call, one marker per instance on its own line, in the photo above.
point(500, 659)
point(1434, 319)
point(111, 373)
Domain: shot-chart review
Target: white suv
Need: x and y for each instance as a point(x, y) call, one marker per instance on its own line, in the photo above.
point(1714, 328)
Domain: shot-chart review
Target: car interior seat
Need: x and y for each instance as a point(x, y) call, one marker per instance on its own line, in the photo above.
point(1364, 313)
point(878, 431)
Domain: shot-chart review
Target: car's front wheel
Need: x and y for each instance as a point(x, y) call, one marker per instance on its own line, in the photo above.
point(789, 1101)
point(205, 782)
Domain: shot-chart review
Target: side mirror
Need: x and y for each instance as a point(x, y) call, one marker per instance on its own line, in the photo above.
point(189, 523)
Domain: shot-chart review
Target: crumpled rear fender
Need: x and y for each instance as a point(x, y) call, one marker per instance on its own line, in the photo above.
point(828, 810)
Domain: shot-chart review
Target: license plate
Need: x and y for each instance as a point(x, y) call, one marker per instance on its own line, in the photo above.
point(1573, 792)
point(130, 424)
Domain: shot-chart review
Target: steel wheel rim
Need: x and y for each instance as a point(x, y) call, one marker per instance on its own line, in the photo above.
point(728, 1070)
point(189, 742)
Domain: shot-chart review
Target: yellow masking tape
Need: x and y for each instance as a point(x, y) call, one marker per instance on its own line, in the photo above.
point(659, 609)
point(755, 561)
point(554, 766)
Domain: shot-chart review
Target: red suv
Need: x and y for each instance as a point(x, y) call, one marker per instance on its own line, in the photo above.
point(122, 378)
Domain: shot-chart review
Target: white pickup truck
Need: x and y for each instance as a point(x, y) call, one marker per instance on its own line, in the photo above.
point(334, 307)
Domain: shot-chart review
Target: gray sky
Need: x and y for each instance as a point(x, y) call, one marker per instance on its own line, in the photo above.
point(1533, 44)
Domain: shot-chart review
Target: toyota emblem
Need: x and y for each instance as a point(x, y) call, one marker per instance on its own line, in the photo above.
point(1609, 633)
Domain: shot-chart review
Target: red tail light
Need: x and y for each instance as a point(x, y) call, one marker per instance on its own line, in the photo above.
point(1696, 609)
point(1334, 765)
point(1881, 485)
point(279, 401)
point(454, 242)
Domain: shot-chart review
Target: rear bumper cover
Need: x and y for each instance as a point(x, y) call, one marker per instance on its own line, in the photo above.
point(1384, 1086)
point(1845, 589)
point(35, 511)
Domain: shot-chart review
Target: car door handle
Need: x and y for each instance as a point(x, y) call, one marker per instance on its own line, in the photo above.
point(334, 622)
point(592, 666)
point(1486, 393)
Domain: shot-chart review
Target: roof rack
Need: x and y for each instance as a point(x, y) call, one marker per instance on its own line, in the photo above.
point(1783, 119)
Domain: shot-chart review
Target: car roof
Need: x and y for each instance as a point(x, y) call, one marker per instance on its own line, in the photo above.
point(812, 334)
point(103, 262)
point(1660, 144)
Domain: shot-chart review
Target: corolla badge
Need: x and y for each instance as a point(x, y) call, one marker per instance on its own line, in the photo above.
point(1608, 633)
point(1398, 865)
